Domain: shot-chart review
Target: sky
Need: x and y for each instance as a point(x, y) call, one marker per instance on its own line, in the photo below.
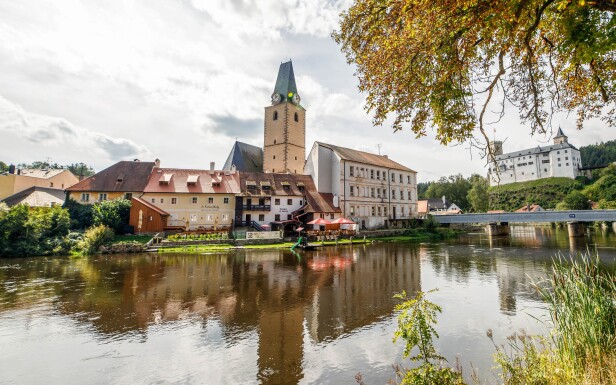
point(99, 81)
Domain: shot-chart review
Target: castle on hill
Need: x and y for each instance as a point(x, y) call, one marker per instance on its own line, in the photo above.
point(560, 159)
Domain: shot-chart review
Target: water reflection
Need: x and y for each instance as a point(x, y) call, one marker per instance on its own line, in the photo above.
point(267, 316)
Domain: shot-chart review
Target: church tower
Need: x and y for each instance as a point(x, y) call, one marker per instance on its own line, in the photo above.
point(561, 137)
point(284, 145)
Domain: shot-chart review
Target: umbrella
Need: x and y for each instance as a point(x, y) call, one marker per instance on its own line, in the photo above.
point(266, 226)
point(343, 221)
point(299, 229)
point(319, 221)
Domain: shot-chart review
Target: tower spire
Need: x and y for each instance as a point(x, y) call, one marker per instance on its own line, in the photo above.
point(285, 85)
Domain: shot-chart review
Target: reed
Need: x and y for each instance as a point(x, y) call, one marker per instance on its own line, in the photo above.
point(581, 297)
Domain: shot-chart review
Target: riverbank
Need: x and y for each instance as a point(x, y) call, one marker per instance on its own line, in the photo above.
point(398, 236)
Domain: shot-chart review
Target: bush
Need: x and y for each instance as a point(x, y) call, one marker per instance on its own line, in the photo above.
point(81, 215)
point(575, 200)
point(94, 238)
point(113, 214)
point(28, 231)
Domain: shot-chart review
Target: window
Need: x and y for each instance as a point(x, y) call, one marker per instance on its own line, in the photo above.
point(566, 158)
point(378, 174)
point(262, 217)
point(393, 177)
point(275, 115)
point(289, 217)
point(276, 217)
point(400, 178)
point(559, 165)
point(226, 201)
point(351, 191)
point(372, 192)
point(296, 117)
point(194, 200)
point(401, 194)
point(371, 174)
point(295, 158)
point(193, 217)
point(385, 210)
point(210, 217)
point(174, 201)
point(331, 216)
point(393, 194)
point(209, 200)
point(128, 196)
point(378, 211)
point(274, 156)
point(559, 159)
point(566, 164)
point(85, 197)
point(102, 197)
point(289, 202)
point(51, 184)
point(373, 211)
point(566, 151)
point(277, 202)
point(153, 200)
point(410, 194)
point(408, 179)
point(378, 192)
point(351, 171)
point(558, 152)
point(225, 218)
point(352, 210)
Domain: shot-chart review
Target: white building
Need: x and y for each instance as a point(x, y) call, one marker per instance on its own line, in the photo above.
point(558, 160)
point(371, 189)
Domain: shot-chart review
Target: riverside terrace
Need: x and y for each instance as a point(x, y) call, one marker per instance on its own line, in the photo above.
point(498, 223)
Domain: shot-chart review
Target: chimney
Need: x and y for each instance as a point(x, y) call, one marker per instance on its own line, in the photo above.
point(385, 156)
point(12, 169)
point(212, 167)
point(233, 169)
point(157, 163)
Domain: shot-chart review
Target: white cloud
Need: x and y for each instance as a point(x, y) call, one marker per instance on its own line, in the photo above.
point(47, 136)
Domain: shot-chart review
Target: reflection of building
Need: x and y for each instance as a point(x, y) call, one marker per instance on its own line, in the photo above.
point(270, 293)
point(558, 160)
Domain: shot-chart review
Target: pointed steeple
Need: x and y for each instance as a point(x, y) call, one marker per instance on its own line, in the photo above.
point(285, 85)
point(560, 137)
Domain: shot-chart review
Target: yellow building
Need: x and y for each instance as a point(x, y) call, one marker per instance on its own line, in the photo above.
point(124, 179)
point(194, 199)
point(18, 180)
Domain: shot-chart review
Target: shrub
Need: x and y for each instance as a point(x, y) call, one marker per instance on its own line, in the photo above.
point(94, 238)
point(113, 214)
point(575, 200)
point(81, 215)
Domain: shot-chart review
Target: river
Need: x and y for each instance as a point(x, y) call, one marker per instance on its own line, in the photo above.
point(268, 317)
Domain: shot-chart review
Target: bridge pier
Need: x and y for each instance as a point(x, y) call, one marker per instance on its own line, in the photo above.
point(576, 229)
point(495, 229)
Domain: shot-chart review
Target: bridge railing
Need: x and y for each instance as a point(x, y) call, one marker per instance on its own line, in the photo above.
point(540, 216)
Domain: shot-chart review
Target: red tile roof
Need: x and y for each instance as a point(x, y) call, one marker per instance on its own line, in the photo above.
point(178, 181)
point(124, 176)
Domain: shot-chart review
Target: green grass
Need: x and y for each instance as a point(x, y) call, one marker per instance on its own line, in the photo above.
point(539, 183)
point(127, 238)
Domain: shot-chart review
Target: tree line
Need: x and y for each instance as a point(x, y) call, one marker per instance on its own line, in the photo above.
point(81, 169)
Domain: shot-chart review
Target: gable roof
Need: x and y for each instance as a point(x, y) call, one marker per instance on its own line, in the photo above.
point(151, 206)
point(124, 176)
point(37, 197)
point(535, 150)
point(176, 180)
point(560, 132)
point(365, 157)
point(245, 157)
point(40, 173)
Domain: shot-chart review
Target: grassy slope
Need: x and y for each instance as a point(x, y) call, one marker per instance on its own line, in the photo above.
point(544, 192)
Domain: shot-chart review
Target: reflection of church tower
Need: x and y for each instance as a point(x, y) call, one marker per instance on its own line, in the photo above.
point(284, 145)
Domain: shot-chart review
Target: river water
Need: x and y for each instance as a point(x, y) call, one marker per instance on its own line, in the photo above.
point(268, 317)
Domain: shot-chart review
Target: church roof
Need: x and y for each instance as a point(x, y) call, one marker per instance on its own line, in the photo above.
point(285, 82)
point(365, 157)
point(560, 132)
point(245, 157)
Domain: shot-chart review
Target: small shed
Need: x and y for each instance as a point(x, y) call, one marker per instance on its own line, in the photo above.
point(145, 217)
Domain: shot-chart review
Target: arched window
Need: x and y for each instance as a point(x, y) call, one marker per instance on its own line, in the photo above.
point(296, 117)
point(274, 141)
point(275, 115)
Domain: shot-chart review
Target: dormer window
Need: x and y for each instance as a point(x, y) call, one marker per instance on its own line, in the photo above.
point(251, 185)
point(165, 179)
point(120, 178)
point(285, 186)
point(300, 186)
point(192, 180)
point(266, 185)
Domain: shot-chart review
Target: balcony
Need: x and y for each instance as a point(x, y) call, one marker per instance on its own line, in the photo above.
point(256, 207)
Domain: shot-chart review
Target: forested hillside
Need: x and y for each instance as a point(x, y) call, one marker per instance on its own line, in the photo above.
point(598, 154)
point(547, 193)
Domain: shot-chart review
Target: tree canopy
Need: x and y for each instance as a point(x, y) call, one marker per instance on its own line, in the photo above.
point(79, 169)
point(449, 64)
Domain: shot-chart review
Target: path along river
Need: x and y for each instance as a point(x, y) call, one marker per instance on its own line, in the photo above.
point(267, 317)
